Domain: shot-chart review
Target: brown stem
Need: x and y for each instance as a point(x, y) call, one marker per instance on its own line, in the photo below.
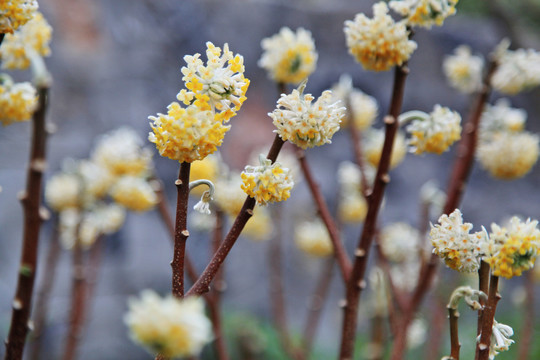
point(527, 329)
point(43, 295)
point(483, 285)
point(78, 301)
point(316, 304)
point(339, 251)
point(453, 317)
point(356, 140)
point(356, 281)
point(202, 284)
point(31, 202)
point(437, 325)
point(482, 348)
point(180, 231)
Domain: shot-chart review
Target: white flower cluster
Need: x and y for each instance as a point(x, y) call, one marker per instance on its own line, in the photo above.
point(373, 141)
point(312, 238)
point(517, 70)
point(400, 242)
point(501, 117)
point(18, 101)
point(352, 206)
point(500, 339)
point(362, 107)
point(305, 123)
point(464, 70)
point(425, 13)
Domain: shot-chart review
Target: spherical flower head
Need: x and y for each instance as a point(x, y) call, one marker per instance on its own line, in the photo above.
point(259, 227)
point(29, 40)
point(424, 13)
point(305, 123)
point(268, 182)
point(436, 132)
point(373, 144)
point(352, 205)
point(121, 151)
point(513, 249)
point(97, 179)
point(517, 71)
point(464, 70)
point(15, 13)
point(312, 238)
point(168, 326)
point(219, 86)
point(207, 168)
point(186, 134)
point(352, 208)
point(501, 117)
point(289, 57)
point(379, 43)
point(362, 107)
point(102, 219)
point(453, 243)
point(17, 101)
point(399, 242)
point(134, 193)
point(229, 194)
point(63, 191)
point(508, 155)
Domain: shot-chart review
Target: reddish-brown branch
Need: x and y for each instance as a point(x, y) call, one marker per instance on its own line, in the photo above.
point(339, 251)
point(180, 231)
point(43, 295)
point(527, 330)
point(453, 317)
point(483, 285)
point(482, 348)
point(356, 282)
point(202, 285)
point(31, 202)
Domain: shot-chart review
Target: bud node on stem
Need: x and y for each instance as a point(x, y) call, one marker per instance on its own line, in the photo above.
point(342, 303)
point(185, 233)
point(385, 178)
point(178, 182)
point(17, 304)
point(389, 120)
point(250, 212)
point(359, 252)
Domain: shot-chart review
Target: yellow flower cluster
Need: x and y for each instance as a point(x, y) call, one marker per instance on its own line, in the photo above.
point(15, 13)
point(425, 13)
point(464, 70)
point(352, 205)
point(373, 141)
point(31, 39)
point(168, 326)
point(63, 191)
point(513, 250)
point(304, 123)
point(434, 132)
point(268, 182)
point(134, 193)
point(312, 238)
point(399, 242)
point(289, 57)
point(219, 86)
point(17, 101)
point(379, 43)
point(517, 70)
point(229, 195)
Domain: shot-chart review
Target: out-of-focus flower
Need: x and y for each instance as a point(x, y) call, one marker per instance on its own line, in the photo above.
point(425, 13)
point(207, 168)
point(513, 249)
point(63, 191)
point(97, 179)
point(259, 227)
point(500, 339)
point(219, 86)
point(102, 219)
point(379, 43)
point(399, 241)
point(268, 182)
point(312, 238)
point(433, 197)
point(417, 333)
point(289, 57)
point(134, 193)
point(304, 123)
point(29, 40)
point(15, 13)
point(464, 70)
point(434, 132)
point(352, 206)
point(501, 117)
point(362, 107)
point(517, 70)
point(229, 194)
point(453, 243)
point(508, 155)
point(168, 326)
point(17, 101)
point(186, 134)
point(373, 143)
point(121, 151)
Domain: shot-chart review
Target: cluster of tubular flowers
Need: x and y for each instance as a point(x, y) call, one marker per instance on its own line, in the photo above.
point(15, 13)
point(363, 109)
point(517, 70)
point(168, 326)
point(505, 150)
point(379, 43)
point(312, 238)
point(305, 123)
point(219, 86)
point(434, 132)
point(18, 101)
point(289, 57)
point(453, 243)
point(352, 205)
point(500, 339)
point(425, 13)
point(135, 193)
point(29, 40)
point(513, 249)
point(373, 141)
point(464, 70)
point(398, 241)
point(268, 182)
